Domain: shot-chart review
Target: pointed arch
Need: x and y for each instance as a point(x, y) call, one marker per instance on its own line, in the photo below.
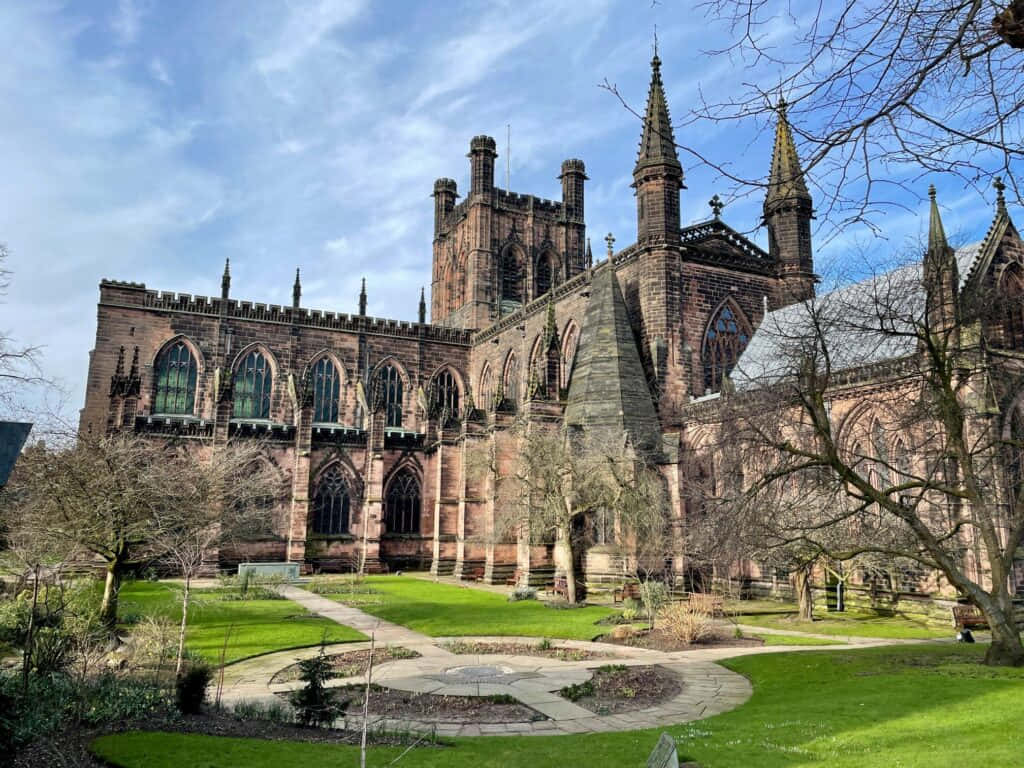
point(485, 387)
point(253, 376)
point(510, 378)
point(403, 499)
point(545, 273)
point(570, 341)
point(331, 502)
point(446, 390)
point(393, 381)
point(511, 278)
point(725, 337)
point(1011, 300)
point(177, 367)
point(326, 375)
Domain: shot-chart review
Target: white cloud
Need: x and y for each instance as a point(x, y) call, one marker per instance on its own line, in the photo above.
point(159, 71)
point(127, 21)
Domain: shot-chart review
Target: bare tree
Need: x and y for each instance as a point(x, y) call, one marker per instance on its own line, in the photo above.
point(551, 479)
point(217, 499)
point(19, 364)
point(869, 420)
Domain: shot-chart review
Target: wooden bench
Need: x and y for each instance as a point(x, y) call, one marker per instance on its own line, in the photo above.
point(561, 587)
point(711, 605)
point(513, 580)
point(629, 591)
point(968, 617)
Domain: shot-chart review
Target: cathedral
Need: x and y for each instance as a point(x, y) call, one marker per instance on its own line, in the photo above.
point(369, 421)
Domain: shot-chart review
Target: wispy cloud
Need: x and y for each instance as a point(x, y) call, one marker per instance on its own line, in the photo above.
point(127, 21)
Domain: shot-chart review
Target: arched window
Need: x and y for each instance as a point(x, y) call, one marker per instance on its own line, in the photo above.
point(544, 279)
point(570, 340)
point(253, 381)
point(1014, 437)
point(175, 381)
point(402, 504)
point(331, 504)
point(326, 391)
point(1012, 300)
point(390, 380)
point(446, 394)
point(725, 339)
point(511, 277)
point(486, 388)
point(511, 380)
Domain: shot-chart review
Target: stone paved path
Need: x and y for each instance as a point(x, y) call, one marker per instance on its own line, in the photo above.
point(708, 688)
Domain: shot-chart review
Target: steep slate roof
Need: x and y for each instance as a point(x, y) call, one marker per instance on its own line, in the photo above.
point(608, 387)
point(657, 145)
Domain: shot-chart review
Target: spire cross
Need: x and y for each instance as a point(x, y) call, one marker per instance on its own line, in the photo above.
point(716, 205)
point(1000, 186)
point(611, 242)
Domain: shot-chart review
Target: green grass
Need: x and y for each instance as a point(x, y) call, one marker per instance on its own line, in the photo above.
point(257, 626)
point(850, 623)
point(442, 610)
point(770, 639)
point(911, 706)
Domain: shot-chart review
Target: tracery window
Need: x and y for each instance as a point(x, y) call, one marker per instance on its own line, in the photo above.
point(390, 379)
point(331, 504)
point(544, 280)
point(446, 394)
point(1014, 436)
point(175, 381)
point(402, 504)
point(326, 391)
point(1012, 301)
point(511, 275)
point(486, 388)
point(569, 344)
point(511, 380)
point(253, 381)
point(725, 339)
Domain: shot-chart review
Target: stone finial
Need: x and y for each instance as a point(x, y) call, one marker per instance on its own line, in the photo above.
point(1000, 198)
point(716, 206)
point(423, 306)
point(610, 240)
point(362, 299)
point(225, 280)
point(590, 255)
point(296, 290)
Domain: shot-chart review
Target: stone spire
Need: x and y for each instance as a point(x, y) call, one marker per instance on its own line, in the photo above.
point(590, 255)
point(786, 178)
point(362, 299)
point(296, 290)
point(936, 233)
point(941, 276)
point(658, 144)
point(423, 306)
point(225, 281)
point(657, 175)
point(609, 390)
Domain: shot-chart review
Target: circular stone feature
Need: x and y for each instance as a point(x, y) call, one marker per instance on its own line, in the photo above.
point(473, 674)
point(477, 673)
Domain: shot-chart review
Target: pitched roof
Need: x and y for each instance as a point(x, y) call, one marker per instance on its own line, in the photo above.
point(608, 386)
point(658, 144)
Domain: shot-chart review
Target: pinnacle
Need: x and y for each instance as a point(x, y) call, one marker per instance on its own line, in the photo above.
point(786, 180)
point(657, 145)
point(936, 233)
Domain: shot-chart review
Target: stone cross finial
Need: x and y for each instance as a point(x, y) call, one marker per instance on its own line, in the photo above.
point(716, 206)
point(610, 239)
point(1000, 200)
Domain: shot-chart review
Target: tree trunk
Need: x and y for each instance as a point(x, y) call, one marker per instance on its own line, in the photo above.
point(1006, 649)
point(26, 659)
point(570, 566)
point(108, 608)
point(805, 599)
point(184, 623)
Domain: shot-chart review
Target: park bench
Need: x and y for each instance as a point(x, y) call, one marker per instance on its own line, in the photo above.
point(968, 617)
point(513, 580)
point(629, 591)
point(710, 605)
point(561, 587)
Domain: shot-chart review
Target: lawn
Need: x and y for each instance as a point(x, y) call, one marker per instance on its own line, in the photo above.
point(850, 623)
point(257, 626)
point(442, 610)
point(910, 706)
point(771, 639)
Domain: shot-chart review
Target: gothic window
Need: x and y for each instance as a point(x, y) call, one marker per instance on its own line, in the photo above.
point(486, 388)
point(390, 379)
point(326, 391)
point(511, 277)
point(545, 278)
point(1015, 451)
point(175, 381)
point(253, 381)
point(402, 504)
point(726, 337)
point(446, 394)
point(1012, 301)
point(570, 340)
point(331, 504)
point(511, 381)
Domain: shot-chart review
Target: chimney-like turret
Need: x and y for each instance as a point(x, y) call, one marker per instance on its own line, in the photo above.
point(482, 152)
point(445, 193)
point(574, 173)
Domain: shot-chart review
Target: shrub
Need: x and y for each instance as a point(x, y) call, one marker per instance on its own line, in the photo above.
point(271, 711)
point(654, 595)
point(190, 688)
point(522, 593)
point(544, 645)
point(314, 703)
point(686, 622)
point(577, 691)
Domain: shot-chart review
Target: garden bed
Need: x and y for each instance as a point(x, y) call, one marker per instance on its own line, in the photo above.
point(658, 640)
point(348, 664)
point(616, 688)
point(430, 707)
point(541, 650)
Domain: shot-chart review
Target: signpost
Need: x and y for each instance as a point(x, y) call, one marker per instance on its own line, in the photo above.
point(12, 437)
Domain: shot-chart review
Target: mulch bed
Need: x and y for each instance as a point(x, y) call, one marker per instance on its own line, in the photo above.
point(349, 664)
point(525, 649)
point(656, 640)
point(70, 747)
point(616, 688)
point(389, 702)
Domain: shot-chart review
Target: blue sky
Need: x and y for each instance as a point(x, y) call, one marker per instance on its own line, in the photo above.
point(149, 141)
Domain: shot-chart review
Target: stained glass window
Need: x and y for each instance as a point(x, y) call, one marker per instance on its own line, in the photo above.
point(326, 390)
point(331, 504)
point(391, 380)
point(175, 381)
point(402, 504)
point(724, 341)
point(253, 381)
